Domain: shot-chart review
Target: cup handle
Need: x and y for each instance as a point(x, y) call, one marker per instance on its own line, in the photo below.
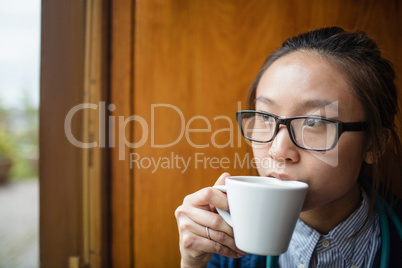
point(225, 214)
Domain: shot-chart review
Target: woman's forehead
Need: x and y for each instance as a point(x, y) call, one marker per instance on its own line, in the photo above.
point(306, 81)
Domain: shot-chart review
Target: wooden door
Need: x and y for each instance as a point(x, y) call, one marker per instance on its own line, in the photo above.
point(188, 64)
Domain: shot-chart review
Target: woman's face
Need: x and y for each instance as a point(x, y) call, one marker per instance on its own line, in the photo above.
point(303, 84)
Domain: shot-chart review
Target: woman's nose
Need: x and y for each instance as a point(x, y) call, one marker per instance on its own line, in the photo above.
point(283, 148)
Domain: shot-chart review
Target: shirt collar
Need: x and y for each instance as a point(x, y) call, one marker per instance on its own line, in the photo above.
point(342, 234)
point(305, 239)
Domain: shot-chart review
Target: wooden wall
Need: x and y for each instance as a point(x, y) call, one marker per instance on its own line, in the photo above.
point(200, 56)
point(197, 58)
point(60, 169)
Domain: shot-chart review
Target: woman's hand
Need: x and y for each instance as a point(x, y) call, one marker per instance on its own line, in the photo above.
point(195, 214)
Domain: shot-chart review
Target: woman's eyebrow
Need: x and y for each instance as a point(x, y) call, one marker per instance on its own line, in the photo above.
point(309, 103)
point(265, 100)
point(318, 103)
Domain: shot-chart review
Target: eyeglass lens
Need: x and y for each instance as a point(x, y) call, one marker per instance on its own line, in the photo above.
point(307, 132)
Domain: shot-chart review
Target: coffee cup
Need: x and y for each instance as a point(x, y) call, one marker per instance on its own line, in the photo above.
point(263, 212)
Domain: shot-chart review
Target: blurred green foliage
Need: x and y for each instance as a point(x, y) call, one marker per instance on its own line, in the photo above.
point(19, 137)
point(6, 147)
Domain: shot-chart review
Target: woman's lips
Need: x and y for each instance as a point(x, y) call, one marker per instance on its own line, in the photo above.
point(280, 176)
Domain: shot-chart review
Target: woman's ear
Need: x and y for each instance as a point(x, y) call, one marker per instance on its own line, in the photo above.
point(370, 155)
point(368, 158)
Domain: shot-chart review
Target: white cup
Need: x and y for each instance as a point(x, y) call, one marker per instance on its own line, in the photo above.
point(263, 212)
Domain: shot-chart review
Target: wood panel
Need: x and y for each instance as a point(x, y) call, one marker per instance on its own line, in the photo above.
point(121, 73)
point(60, 168)
point(198, 58)
point(196, 68)
point(95, 170)
point(73, 197)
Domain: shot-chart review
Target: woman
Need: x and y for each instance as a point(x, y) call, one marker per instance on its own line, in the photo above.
point(339, 100)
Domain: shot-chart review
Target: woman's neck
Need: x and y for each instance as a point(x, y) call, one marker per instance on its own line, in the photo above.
point(327, 217)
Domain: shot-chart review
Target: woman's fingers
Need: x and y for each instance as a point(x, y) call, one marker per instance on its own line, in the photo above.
point(215, 235)
point(195, 214)
point(206, 197)
point(222, 178)
point(221, 238)
point(195, 242)
point(210, 219)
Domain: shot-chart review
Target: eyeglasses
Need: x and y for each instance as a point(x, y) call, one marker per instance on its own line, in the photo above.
point(313, 133)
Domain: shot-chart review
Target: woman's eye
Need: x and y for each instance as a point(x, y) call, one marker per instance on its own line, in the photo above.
point(267, 118)
point(313, 122)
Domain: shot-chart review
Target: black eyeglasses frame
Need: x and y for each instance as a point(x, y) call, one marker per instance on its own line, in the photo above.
point(340, 127)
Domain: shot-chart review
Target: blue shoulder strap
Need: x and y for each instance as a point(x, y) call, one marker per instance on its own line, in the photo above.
point(272, 261)
point(394, 218)
point(386, 211)
point(385, 237)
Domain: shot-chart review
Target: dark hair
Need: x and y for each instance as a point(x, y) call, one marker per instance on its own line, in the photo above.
point(371, 79)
